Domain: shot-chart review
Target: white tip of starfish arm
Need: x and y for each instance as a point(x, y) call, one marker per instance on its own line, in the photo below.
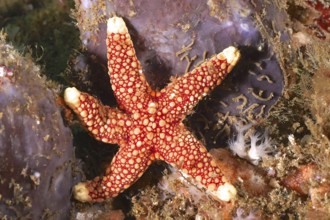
point(231, 54)
point(226, 192)
point(80, 192)
point(116, 25)
point(71, 97)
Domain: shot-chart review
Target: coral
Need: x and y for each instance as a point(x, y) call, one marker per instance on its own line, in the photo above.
point(259, 148)
point(35, 147)
point(238, 146)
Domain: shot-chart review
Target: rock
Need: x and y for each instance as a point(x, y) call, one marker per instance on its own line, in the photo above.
point(35, 146)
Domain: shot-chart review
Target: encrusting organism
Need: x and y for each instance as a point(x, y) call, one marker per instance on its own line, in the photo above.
point(255, 149)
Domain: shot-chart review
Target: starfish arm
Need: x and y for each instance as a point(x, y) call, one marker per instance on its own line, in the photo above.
point(180, 97)
point(127, 166)
point(125, 71)
point(104, 123)
point(192, 159)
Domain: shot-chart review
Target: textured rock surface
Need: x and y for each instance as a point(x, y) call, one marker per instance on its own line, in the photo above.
point(35, 146)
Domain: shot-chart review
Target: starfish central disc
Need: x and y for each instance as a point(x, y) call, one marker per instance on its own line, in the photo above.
point(147, 126)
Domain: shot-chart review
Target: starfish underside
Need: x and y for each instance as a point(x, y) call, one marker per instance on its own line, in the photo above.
point(148, 124)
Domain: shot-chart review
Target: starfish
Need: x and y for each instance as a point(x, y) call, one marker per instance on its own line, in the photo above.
point(147, 125)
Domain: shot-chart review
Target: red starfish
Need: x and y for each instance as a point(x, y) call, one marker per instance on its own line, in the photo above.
point(148, 126)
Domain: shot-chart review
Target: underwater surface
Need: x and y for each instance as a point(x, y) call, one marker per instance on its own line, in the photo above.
point(269, 120)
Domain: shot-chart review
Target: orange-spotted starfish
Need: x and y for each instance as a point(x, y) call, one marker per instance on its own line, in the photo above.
point(148, 124)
